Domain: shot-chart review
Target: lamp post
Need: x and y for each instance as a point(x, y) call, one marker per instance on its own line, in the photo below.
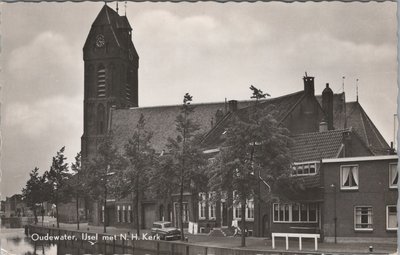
point(334, 210)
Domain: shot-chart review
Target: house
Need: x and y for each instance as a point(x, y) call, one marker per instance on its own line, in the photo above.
point(360, 198)
point(324, 128)
point(15, 206)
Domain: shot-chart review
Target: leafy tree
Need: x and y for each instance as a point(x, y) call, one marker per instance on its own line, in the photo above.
point(57, 178)
point(77, 184)
point(140, 160)
point(185, 155)
point(32, 193)
point(256, 149)
point(101, 169)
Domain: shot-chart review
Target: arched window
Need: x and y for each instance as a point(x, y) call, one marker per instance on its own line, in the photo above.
point(128, 90)
point(101, 81)
point(101, 117)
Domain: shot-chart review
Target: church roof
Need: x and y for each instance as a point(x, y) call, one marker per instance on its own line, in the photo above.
point(283, 106)
point(161, 121)
point(307, 146)
point(352, 114)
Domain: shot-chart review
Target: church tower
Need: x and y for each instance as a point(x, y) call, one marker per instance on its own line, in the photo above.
point(111, 75)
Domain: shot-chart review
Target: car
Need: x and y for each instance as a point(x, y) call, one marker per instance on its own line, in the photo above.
point(165, 231)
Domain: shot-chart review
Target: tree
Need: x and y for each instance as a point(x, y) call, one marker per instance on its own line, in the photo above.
point(185, 155)
point(140, 160)
point(256, 149)
point(77, 184)
point(99, 170)
point(57, 177)
point(32, 193)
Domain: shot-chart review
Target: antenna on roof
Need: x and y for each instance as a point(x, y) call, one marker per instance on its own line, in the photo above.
point(117, 7)
point(343, 77)
point(125, 8)
point(357, 88)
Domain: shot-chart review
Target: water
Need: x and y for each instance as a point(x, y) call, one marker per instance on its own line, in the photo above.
point(15, 242)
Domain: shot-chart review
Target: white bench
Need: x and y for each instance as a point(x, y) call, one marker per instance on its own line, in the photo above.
point(296, 235)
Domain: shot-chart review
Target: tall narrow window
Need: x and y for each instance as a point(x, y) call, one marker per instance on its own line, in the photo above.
point(363, 218)
point(237, 207)
point(250, 210)
point(101, 117)
point(128, 92)
point(118, 213)
point(101, 81)
point(202, 206)
point(185, 216)
point(129, 214)
point(211, 206)
point(103, 218)
point(349, 177)
point(124, 214)
point(393, 176)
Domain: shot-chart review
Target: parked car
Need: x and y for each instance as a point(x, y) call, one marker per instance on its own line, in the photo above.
point(165, 230)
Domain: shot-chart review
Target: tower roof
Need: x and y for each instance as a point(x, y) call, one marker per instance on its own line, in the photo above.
point(114, 27)
point(106, 16)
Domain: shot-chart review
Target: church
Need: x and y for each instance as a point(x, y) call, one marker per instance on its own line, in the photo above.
point(325, 129)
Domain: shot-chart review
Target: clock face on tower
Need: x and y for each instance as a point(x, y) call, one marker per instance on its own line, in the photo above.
point(100, 41)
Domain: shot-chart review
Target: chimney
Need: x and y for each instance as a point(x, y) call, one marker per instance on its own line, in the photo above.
point(308, 85)
point(327, 105)
point(347, 151)
point(232, 104)
point(323, 126)
point(392, 150)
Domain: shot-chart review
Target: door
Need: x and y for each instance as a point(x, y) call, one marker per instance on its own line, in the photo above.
point(224, 214)
point(265, 224)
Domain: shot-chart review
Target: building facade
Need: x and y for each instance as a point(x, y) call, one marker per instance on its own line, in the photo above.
point(325, 128)
point(360, 198)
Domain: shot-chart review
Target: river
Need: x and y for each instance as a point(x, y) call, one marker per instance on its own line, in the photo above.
point(15, 242)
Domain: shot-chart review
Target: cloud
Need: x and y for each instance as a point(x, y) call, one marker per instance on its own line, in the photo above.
point(50, 116)
point(47, 65)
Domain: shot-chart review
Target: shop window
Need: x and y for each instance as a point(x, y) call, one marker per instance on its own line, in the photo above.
point(301, 213)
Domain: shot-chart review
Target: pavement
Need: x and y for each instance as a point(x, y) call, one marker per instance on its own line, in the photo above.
point(252, 243)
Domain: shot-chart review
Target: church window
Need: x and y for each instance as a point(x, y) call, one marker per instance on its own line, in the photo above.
point(101, 81)
point(101, 117)
point(128, 92)
point(202, 206)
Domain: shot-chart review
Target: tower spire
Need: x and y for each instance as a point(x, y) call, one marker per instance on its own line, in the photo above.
point(125, 8)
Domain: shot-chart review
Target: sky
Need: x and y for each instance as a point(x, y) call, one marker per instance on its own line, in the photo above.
point(213, 51)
